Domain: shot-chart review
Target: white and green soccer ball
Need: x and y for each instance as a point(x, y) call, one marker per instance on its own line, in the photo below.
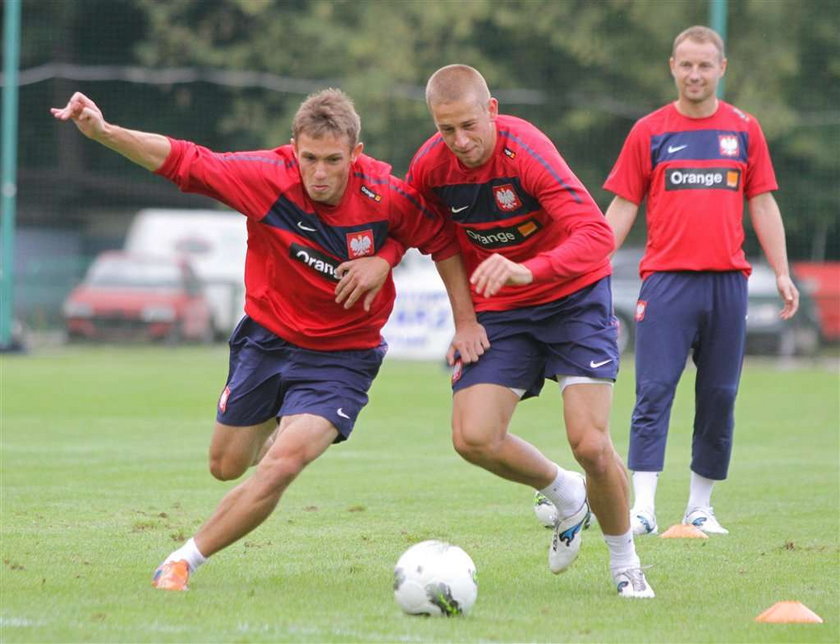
point(544, 510)
point(435, 578)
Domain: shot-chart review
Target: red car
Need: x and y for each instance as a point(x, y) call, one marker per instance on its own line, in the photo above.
point(136, 297)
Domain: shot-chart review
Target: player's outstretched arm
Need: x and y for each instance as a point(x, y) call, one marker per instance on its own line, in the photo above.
point(143, 148)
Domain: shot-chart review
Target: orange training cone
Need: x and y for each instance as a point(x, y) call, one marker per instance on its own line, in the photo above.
point(684, 531)
point(789, 613)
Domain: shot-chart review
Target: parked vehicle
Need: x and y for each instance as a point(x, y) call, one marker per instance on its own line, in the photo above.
point(625, 289)
point(214, 241)
point(138, 297)
point(822, 280)
point(766, 332)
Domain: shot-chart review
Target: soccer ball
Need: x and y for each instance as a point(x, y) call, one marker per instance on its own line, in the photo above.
point(435, 578)
point(545, 510)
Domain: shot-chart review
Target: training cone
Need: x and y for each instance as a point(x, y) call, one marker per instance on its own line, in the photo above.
point(684, 531)
point(789, 613)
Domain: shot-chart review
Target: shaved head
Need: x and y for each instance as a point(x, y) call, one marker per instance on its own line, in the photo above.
point(457, 83)
point(464, 113)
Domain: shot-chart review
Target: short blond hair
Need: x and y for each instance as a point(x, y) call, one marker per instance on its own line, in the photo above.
point(329, 111)
point(701, 34)
point(456, 83)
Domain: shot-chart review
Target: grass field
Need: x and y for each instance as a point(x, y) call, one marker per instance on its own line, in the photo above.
point(104, 472)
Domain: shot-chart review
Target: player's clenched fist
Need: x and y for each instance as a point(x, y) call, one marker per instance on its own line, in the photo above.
point(84, 113)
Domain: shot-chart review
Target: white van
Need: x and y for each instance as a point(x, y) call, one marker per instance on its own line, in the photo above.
point(420, 327)
point(215, 242)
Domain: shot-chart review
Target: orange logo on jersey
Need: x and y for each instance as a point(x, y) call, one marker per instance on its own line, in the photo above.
point(528, 227)
point(732, 178)
point(367, 192)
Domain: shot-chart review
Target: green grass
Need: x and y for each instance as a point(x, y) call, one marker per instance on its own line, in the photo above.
point(104, 472)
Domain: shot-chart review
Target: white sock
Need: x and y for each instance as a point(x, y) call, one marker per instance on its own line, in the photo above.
point(700, 492)
point(190, 553)
point(565, 492)
point(644, 491)
point(622, 551)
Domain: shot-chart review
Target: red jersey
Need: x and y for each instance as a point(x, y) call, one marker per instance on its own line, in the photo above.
point(295, 244)
point(524, 203)
point(695, 173)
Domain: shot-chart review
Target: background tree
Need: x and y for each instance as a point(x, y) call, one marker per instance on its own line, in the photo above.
point(581, 70)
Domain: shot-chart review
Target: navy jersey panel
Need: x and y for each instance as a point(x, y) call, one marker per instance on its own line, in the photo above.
point(479, 203)
point(697, 145)
point(288, 216)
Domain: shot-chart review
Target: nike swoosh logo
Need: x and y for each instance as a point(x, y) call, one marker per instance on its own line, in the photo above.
point(676, 148)
point(306, 228)
point(341, 413)
point(595, 365)
point(455, 210)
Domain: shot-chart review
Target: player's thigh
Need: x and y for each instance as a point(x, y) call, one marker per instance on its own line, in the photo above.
point(301, 438)
point(239, 443)
point(719, 353)
point(333, 385)
point(586, 411)
point(481, 413)
point(515, 361)
point(668, 316)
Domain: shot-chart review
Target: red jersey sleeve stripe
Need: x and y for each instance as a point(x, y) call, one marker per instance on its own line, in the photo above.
point(227, 156)
point(542, 161)
point(428, 214)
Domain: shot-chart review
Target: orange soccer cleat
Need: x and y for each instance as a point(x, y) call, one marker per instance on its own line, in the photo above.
point(172, 575)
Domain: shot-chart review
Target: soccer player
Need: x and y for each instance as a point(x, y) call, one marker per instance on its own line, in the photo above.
point(537, 249)
point(694, 160)
point(325, 225)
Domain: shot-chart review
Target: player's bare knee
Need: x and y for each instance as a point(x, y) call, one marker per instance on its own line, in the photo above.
point(225, 468)
point(275, 473)
point(467, 451)
point(595, 455)
point(221, 473)
point(473, 447)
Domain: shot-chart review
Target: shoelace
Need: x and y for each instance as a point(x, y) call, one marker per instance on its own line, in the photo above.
point(637, 578)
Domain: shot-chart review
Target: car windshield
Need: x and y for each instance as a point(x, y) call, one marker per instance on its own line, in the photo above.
point(762, 280)
point(126, 272)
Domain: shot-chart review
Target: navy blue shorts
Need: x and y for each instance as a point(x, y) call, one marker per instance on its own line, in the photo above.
point(576, 335)
point(269, 377)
